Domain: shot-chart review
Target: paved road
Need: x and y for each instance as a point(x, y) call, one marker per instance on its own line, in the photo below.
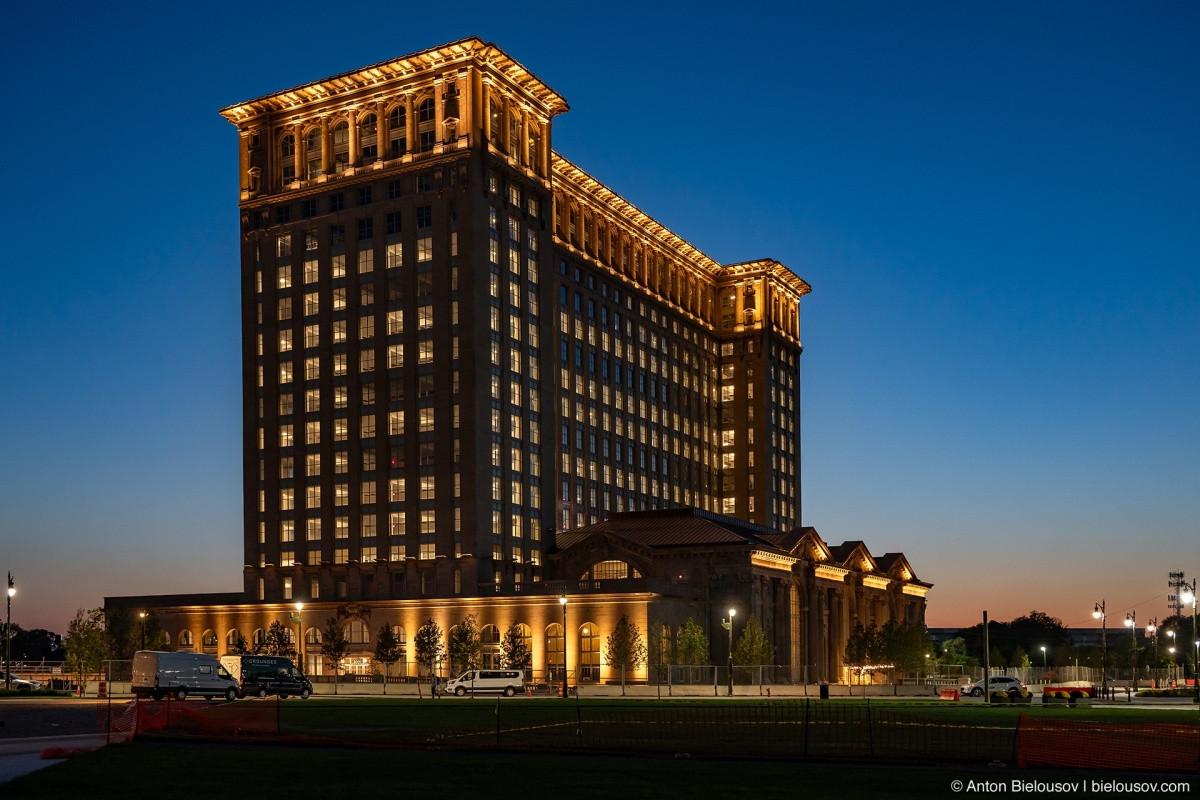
point(60, 716)
point(22, 756)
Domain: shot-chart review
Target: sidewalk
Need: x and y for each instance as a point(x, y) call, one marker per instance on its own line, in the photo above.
point(22, 756)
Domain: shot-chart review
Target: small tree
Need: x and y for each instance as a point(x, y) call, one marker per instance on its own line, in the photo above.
point(121, 633)
point(334, 645)
point(691, 645)
point(429, 648)
point(752, 647)
point(860, 648)
point(464, 646)
point(85, 645)
point(660, 648)
point(625, 649)
point(278, 641)
point(239, 646)
point(514, 652)
point(387, 651)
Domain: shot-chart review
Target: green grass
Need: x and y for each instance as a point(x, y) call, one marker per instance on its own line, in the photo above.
point(156, 771)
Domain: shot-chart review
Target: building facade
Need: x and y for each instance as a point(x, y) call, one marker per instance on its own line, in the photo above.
point(461, 352)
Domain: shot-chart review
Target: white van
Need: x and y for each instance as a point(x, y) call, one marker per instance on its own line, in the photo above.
point(158, 674)
point(508, 681)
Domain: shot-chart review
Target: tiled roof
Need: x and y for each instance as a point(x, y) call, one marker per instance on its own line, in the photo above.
point(842, 551)
point(673, 528)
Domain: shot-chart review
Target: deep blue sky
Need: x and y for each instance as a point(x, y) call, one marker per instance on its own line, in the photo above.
point(996, 206)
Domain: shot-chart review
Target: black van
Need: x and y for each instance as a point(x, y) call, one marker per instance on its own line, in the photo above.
point(260, 676)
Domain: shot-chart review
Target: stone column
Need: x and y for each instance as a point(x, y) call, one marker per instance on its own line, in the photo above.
point(410, 124)
point(354, 156)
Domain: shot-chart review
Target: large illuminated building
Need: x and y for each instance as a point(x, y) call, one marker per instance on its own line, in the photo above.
point(476, 379)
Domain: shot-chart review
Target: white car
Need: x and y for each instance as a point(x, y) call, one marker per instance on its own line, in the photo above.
point(996, 683)
point(23, 684)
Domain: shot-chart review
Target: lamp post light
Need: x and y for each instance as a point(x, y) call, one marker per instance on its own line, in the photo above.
point(1188, 596)
point(1100, 614)
point(1044, 667)
point(296, 618)
point(8, 635)
point(1131, 623)
point(727, 624)
point(142, 622)
point(563, 601)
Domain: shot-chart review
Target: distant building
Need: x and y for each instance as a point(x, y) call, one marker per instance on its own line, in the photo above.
point(475, 379)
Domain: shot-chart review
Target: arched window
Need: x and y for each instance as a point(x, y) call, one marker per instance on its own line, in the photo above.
point(341, 146)
point(589, 652)
point(489, 642)
point(185, 639)
point(535, 147)
point(426, 132)
point(312, 636)
point(312, 154)
point(259, 639)
point(234, 639)
point(609, 571)
point(397, 132)
point(514, 135)
point(554, 652)
point(287, 159)
point(208, 639)
point(368, 138)
point(356, 632)
point(525, 638)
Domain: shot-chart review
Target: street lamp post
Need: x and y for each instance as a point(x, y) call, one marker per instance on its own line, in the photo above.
point(1131, 623)
point(1188, 596)
point(296, 618)
point(1152, 632)
point(8, 636)
point(1045, 669)
point(1100, 614)
point(142, 623)
point(727, 624)
point(563, 601)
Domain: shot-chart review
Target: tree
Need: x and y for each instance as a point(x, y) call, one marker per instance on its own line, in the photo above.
point(625, 649)
point(464, 646)
point(85, 645)
point(122, 635)
point(1019, 658)
point(239, 646)
point(954, 652)
point(691, 644)
point(387, 651)
point(429, 649)
point(38, 644)
point(860, 647)
point(752, 647)
point(278, 641)
point(660, 649)
point(514, 653)
point(334, 645)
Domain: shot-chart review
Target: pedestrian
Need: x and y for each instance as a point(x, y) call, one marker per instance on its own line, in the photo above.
point(433, 687)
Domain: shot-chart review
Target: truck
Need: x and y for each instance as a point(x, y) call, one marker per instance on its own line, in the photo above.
point(263, 675)
point(158, 674)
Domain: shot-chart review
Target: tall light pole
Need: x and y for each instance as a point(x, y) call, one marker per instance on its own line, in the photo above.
point(1100, 614)
point(1152, 632)
point(563, 602)
point(8, 636)
point(299, 636)
point(1044, 667)
point(1188, 596)
point(1131, 623)
point(142, 622)
point(727, 624)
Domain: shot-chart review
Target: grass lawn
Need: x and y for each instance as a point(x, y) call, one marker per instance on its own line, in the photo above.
point(155, 771)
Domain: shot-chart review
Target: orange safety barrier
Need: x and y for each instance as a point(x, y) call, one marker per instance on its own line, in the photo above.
point(948, 694)
point(1155, 747)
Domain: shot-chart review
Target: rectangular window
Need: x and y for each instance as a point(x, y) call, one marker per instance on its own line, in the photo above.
point(366, 229)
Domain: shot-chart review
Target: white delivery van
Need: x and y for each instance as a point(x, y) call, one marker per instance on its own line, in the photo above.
point(507, 681)
point(158, 674)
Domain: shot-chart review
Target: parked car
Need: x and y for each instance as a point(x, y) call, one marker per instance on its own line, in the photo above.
point(23, 684)
point(507, 681)
point(263, 675)
point(157, 674)
point(996, 683)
